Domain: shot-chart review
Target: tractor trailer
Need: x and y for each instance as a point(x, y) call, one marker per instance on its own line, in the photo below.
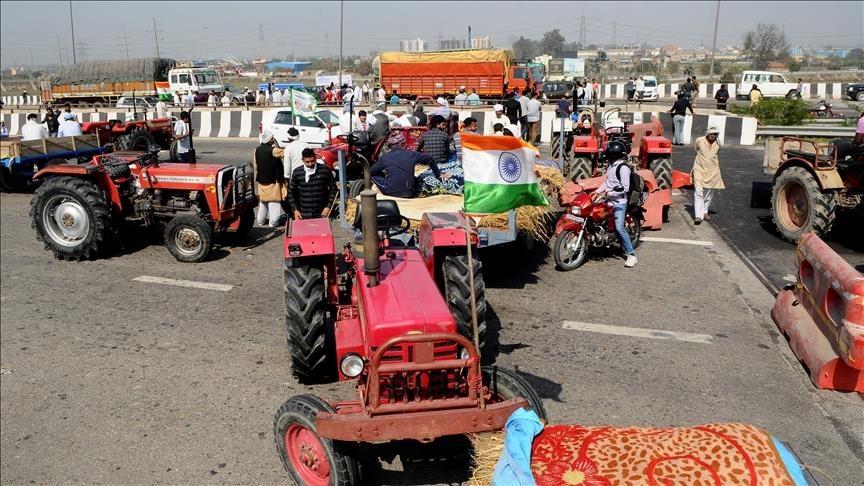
point(429, 74)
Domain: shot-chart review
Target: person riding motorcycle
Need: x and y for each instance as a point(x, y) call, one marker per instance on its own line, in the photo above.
point(616, 188)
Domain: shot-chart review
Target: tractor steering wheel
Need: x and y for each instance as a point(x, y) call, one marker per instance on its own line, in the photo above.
point(404, 226)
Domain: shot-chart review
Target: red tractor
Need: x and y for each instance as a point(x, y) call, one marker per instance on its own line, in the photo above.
point(77, 209)
point(135, 135)
point(405, 323)
point(648, 148)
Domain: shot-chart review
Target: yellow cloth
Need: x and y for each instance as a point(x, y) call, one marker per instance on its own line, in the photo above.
point(755, 97)
point(274, 192)
point(706, 167)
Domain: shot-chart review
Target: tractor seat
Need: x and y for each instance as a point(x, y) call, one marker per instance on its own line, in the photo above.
point(388, 215)
point(801, 154)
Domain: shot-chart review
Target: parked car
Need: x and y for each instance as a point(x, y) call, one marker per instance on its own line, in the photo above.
point(553, 90)
point(650, 93)
point(140, 102)
point(855, 92)
point(772, 85)
point(314, 131)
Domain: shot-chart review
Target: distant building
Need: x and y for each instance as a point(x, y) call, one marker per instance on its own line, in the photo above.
point(452, 44)
point(413, 45)
point(292, 66)
point(481, 42)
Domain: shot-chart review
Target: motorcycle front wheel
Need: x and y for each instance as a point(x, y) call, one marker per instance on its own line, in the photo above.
point(567, 253)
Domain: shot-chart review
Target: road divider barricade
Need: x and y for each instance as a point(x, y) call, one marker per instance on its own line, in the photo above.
point(823, 316)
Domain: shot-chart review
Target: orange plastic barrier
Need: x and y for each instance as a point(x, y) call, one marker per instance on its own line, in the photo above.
point(823, 316)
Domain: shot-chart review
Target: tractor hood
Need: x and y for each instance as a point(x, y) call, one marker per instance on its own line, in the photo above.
point(406, 299)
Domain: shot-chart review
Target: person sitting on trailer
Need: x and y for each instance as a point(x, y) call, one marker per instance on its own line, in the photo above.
point(69, 127)
point(32, 130)
point(436, 142)
point(393, 173)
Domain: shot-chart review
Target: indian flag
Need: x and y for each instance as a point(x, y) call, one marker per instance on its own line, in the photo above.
point(499, 174)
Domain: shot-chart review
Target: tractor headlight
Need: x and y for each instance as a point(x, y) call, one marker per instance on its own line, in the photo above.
point(352, 365)
point(464, 354)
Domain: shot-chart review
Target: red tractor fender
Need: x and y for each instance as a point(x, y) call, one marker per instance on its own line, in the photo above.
point(309, 237)
point(653, 146)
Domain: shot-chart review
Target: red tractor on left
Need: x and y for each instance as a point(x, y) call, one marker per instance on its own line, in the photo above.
point(78, 209)
point(134, 135)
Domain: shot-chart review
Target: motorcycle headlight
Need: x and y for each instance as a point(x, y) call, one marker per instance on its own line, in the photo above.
point(352, 365)
point(576, 210)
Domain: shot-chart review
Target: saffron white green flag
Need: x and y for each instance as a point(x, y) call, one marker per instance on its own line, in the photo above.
point(499, 174)
point(303, 103)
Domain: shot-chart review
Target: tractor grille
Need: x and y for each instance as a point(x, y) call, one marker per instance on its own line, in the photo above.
point(418, 386)
point(405, 353)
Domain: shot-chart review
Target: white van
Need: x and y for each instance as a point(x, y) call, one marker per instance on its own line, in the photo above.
point(202, 80)
point(772, 85)
point(314, 131)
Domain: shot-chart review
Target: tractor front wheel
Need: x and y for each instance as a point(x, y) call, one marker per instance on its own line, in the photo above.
point(188, 238)
point(457, 291)
point(310, 459)
point(307, 325)
point(661, 167)
point(506, 384)
point(579, 167)
point(799, 206)
point(71, 217)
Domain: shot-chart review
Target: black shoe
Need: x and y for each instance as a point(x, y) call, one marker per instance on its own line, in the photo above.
point(697, 221)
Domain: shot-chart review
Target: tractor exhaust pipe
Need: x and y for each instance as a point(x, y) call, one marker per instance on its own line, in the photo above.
point(369, 216)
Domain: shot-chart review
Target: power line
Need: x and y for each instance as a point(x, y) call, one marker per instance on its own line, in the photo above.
point(156, 33)
point(72, 25)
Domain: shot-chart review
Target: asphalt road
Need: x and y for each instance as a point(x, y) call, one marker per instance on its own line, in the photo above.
point(106, 379)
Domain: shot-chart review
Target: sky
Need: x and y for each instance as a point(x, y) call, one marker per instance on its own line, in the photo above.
point(301, 29)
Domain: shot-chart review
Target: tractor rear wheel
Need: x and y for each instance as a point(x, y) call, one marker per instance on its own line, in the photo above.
point(308, 458)
point(457, 292)
point(662, 169)
point(799, 206)
point(172, 151)
point(355, 187)
point(579, 167)
point(10, 182)
point(555, 147)
point(506, 384)
point(71, 217)
point(188, 238)
point(138, 140)
point(307, 325)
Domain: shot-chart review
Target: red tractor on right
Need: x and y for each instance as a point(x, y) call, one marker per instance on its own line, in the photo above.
point(405, 322)
point(648, 148)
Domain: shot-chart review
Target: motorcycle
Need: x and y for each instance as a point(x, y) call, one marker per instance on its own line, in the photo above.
point(822, 110)
point(587, 222)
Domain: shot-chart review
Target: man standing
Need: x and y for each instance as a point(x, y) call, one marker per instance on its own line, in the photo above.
point(722, 96)
point(51, 122)
point(32, 130)
point(694, 92)
point(436, 142)
point(589, 93)
point(382, 94)
point(497, 117)
point(161, 109)
point(473, 99)
point(69, 127)
point(366, 93)
point(292, 155)
point(270, 180)
point(679, 115)
point(616, 187)
point(189, 101)
point(799, 88)
point(631, 88)
point(211, 99)
point(523, 118)
point(640, 88)
point(706, 175)
point(226, 99)
point(755, 95)
point(182, 134)
point(533, 118)
point(312, 189)
point(513, 109)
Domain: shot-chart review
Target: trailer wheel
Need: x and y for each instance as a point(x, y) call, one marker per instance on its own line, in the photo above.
point(661, 167)
point(457, 292)
point(799, 206)
point(579, 167)
point(10, 182)
point(71, 218)
point(188, 238)
point(138, 140)
point(506, 384)
point(307, 326)
point(308, 458)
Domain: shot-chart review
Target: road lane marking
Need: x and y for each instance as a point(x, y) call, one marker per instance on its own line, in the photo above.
point(638, 332)
point(183, 283)
point(677, 240)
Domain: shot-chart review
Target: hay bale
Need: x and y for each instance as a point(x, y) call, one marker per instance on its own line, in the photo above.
point(487, 449)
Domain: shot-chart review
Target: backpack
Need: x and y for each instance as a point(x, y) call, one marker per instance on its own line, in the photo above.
point(637, 192)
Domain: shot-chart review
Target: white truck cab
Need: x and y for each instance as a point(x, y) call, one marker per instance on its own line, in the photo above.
point(200, 79)
point(772, 85)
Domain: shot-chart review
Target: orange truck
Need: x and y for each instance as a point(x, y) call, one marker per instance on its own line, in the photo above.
point(101, 83)
point(429, 74)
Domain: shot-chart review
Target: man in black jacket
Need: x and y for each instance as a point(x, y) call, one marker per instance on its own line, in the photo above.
point(513, 109)
point(312, 189)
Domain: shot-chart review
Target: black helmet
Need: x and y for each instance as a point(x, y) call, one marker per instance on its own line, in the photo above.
point(615, 150)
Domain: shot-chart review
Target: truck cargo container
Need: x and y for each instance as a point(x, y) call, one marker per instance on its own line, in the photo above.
point(103, 82)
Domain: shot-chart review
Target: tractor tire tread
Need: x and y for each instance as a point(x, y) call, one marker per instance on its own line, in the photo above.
point(508, 384)
point(661, 167)
point(306, 324)
point(458, 295)
point(823, 212)
point(578, 168)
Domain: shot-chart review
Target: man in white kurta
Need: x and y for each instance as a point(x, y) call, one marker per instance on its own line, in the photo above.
point(706, 174)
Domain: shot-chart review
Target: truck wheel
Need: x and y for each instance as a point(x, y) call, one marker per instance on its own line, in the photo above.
point(556, 147)
point(799, 206)
point(792, 94)
point(172, 151)
point(188, 238)
point(578, 168)
point(457, 292)
point(71, 218)
point(506, 384)
point(310, 459)
point(859, 96)
point(566, 253)
point(10, 182)
point(138, 140)
point(307, 326)
point(661, 167)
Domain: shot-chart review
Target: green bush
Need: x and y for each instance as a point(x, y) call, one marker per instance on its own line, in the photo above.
point(776, 111)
